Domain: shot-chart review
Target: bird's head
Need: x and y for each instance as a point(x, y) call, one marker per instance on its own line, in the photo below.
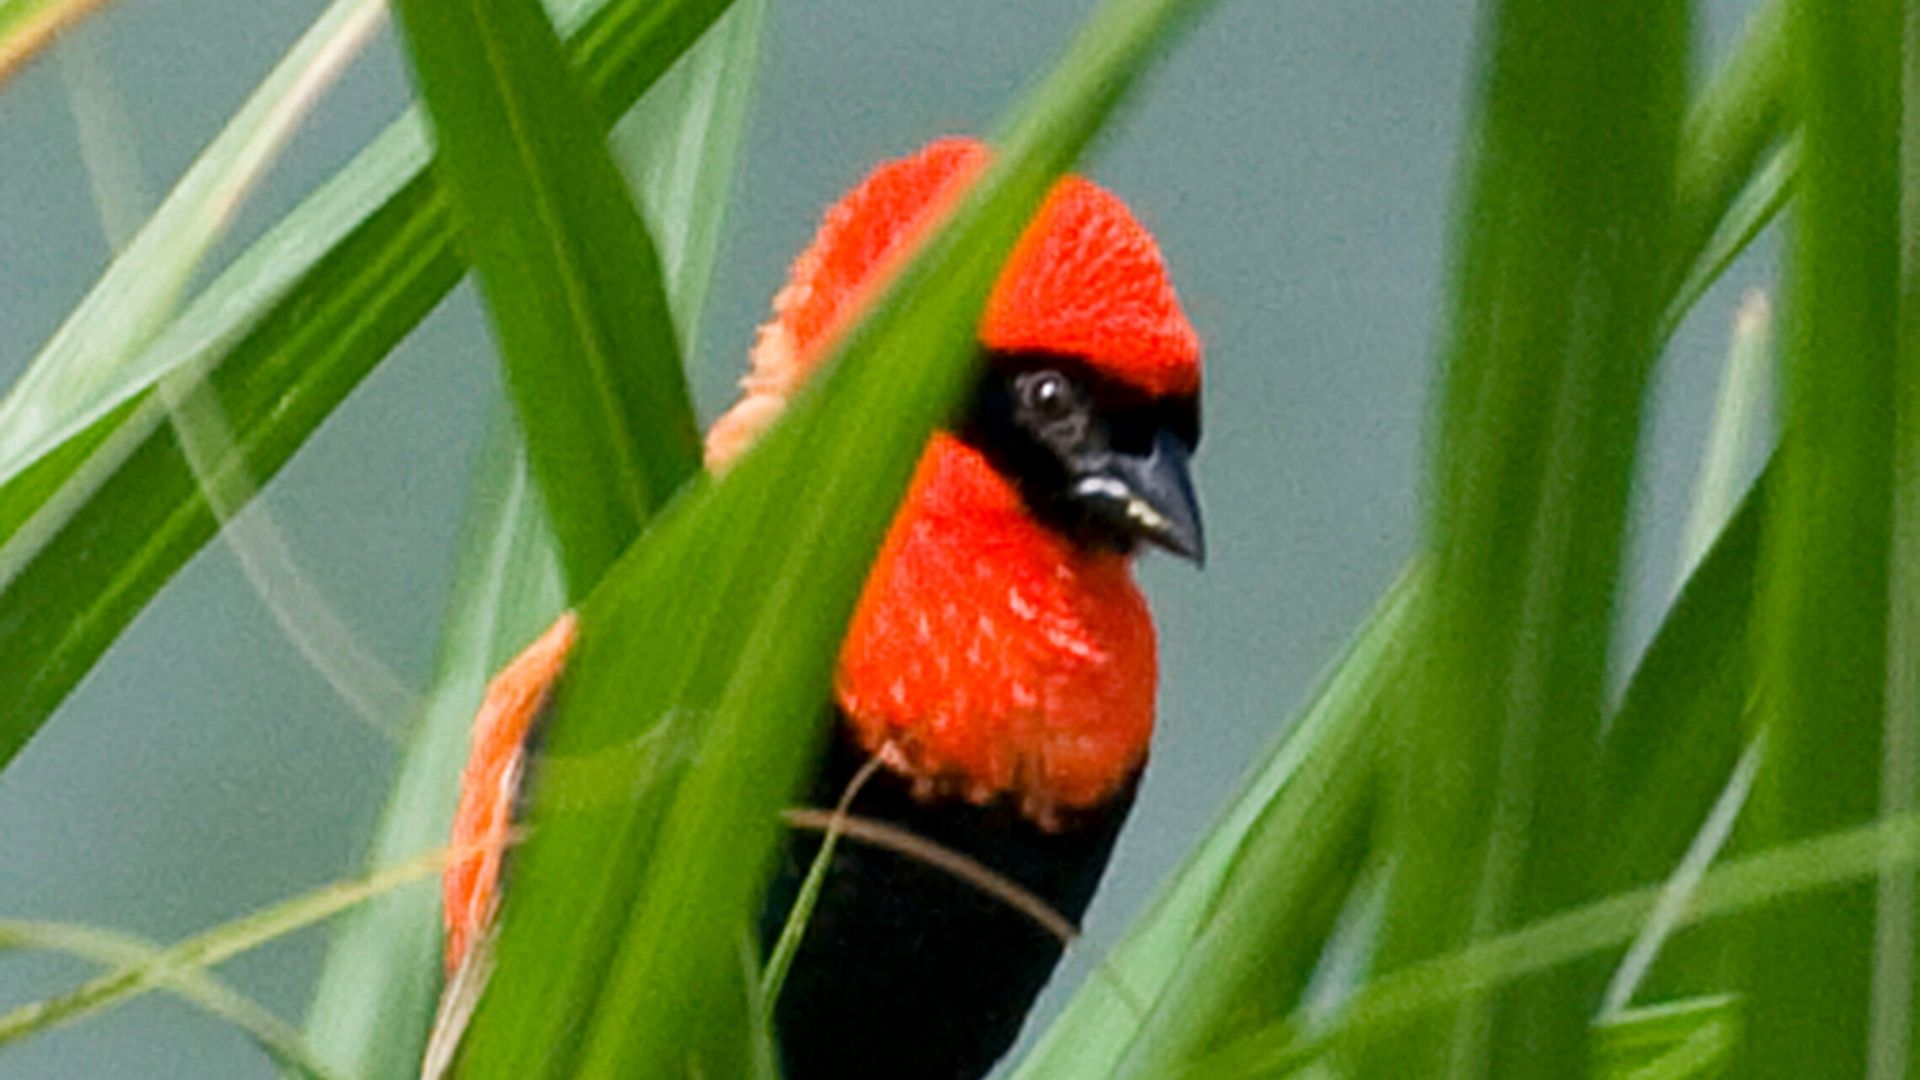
point(1089, 395)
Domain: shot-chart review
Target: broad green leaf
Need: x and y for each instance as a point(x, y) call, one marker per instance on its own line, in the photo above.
point(1231, 932)
point(572, 281)
point(376, 994)
point(1821, 621)
point(196, 987)
point(1557, 302)
point(619, 952)
point(105, 509)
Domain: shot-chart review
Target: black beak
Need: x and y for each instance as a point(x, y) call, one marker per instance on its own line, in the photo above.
point(1149, 496)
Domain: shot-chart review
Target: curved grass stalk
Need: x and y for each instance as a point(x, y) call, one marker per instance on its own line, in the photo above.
point(318, 632)
point(139, 292)
point(114, 949)
point(163, 968)
point(196, 214)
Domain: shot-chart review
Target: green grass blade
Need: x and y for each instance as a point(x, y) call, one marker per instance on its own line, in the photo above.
point(375, 997)
point(1756, 206)
point(1677, 892)
point(1693, 1038)
point(28, 26)
point(618, 955)
point(1758, 881)
point(105, 509)
point(1740, 115)
point(200, 953)
point(1736, 110)
point(1235, 935)
point(1824, 580)
point(1741, 109)
point(1679, 728)
point(1745, 382)
point(211, 995)
point(679, 150)
point(136, 296)
point(1557, 305)
point(572, 282)
point(1896, 993)
point(376, 994)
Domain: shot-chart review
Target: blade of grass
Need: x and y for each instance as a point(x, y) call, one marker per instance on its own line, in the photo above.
point(1756, 206)
point(1895, 1053)
point(1690, 1038)
point(1763, 880)
point(1822, 618)
point(617, 948)
point(376, 993)
point(112, 949)
point(108, 147)
point(1256, 925)
point(773, 975)
point(136, 296)
point(1678, 731)
point(1743, 884)
point(1737, 110)
point(1681, 883)
point(1282, 813)
point(222, 943)
point(1557, 302)
point(571, 278)
point(28, 26)
point(375, 996)
point(1737, 411)
point(1740, 115)
point(105, 509)
point(1676, 738)
point(680, 150)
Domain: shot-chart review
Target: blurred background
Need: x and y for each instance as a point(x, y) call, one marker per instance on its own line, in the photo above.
point(1295, 161)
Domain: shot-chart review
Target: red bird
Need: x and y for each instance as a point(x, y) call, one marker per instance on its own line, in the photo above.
point(1000, 665)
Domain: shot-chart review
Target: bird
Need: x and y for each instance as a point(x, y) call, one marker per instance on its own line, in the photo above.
point(994, 697)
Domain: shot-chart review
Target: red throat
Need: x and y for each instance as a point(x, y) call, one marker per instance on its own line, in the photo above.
point(991, 656)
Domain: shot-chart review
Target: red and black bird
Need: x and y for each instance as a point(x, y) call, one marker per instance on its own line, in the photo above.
point(1001, 663)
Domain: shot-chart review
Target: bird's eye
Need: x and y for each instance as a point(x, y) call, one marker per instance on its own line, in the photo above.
point(1048, 394)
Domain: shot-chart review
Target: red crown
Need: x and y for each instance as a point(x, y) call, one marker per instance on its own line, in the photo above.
point(1085, 280)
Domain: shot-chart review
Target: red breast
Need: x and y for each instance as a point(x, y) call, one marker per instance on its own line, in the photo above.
point(990, 655)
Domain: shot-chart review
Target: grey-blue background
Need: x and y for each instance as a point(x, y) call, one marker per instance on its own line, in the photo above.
point(1296, 162)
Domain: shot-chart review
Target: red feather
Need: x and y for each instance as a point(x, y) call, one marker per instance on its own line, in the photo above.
point(992, 656)
point(989, 657)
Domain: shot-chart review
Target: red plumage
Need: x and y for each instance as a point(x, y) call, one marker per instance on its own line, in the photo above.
point(1087, 280)
point(998, 657)
point(992, 657)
